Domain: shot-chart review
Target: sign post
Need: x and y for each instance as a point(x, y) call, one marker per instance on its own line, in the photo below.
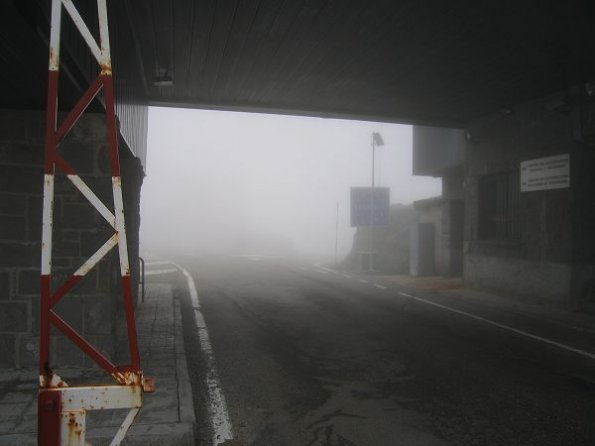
point(370, 207)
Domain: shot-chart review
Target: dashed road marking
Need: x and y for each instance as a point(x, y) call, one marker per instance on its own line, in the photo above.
point(254, 258)
point(503, 326)
point(380, 286)
point(363, 281)
point(347, 276)
point(324, 268)
point(220, 422)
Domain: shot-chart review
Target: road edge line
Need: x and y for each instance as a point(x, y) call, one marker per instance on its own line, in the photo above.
point(503, 326)
point(220, 421)
point(157, 272)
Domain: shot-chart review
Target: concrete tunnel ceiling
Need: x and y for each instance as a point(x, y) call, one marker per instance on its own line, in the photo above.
point(440, 63)
point(408, 61)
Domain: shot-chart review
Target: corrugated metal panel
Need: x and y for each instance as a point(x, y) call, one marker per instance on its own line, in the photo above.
point(437, 63)
point(131, 107)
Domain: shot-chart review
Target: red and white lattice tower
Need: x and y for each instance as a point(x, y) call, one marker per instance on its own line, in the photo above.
point(62, 408)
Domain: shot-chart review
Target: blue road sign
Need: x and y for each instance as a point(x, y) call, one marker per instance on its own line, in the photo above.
point(370, 206)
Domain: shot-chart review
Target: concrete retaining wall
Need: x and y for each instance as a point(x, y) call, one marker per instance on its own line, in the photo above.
point(547, 282)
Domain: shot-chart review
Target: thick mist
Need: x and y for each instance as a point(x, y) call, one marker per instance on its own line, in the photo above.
point(254, 184)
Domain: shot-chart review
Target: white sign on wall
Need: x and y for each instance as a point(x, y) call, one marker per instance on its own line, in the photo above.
point(552, 172)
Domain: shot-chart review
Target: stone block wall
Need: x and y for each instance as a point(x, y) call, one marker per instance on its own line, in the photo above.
point(92, 307)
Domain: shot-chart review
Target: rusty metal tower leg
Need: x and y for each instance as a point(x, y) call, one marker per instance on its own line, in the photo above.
point(61, 408)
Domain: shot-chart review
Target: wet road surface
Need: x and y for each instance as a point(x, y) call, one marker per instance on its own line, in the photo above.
point(308, 357)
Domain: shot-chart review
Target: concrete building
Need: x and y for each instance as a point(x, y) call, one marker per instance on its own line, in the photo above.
point(517, 186)
point(425, 238)
point(440, 152)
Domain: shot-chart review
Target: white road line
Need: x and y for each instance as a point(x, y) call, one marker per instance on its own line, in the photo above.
point(347, 276)
point(504, 327)
point(583, 329)
point(321, 271)
point(254, 258)
point(155, 272)
point(157, 262)
point(220, 423)
point(363, 281)
point(380, 286)
point(324, 268)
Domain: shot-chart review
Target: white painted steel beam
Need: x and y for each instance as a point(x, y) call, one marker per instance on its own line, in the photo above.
point(99, 254)
point(93, 199)
point(55, 35)
point(73, 428)
point(47, 224)
point(105, 63)
point(82, 27)
point(120, 226)
point(123, 429)
point(101, 397)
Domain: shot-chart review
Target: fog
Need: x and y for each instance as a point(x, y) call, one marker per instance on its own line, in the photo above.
point(244, 183)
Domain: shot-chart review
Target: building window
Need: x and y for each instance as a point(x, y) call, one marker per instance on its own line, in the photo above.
point(499, 207)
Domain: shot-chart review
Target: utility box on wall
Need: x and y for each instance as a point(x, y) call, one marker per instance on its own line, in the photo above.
point(421, 257)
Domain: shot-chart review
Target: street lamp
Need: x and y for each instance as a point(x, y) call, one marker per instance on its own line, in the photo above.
point(376, 141)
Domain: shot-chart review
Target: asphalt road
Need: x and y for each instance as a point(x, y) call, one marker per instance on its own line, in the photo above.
point(307, 357)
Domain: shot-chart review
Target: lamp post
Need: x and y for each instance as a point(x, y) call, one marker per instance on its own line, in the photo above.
point(337, 236)
point(376, 141)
